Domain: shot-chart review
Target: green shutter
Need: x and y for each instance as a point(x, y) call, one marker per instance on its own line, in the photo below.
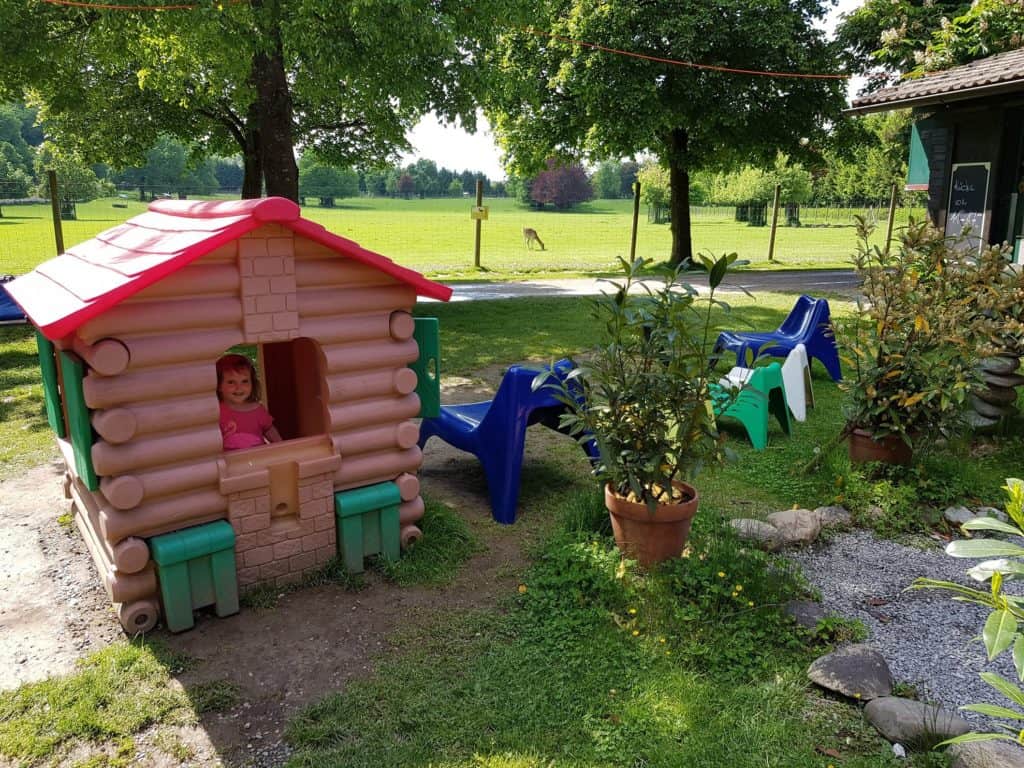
point(428, 366)
point(918, 172)
point(51, 389)
point(79, 426)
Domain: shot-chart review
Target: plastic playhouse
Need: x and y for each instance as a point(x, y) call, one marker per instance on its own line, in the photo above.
point(130, 325)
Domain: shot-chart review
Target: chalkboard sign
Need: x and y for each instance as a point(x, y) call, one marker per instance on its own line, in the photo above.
point(968, 192)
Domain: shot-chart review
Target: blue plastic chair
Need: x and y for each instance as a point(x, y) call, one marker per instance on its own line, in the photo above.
point(9, 311)
point(495, 431)
point(808, 323)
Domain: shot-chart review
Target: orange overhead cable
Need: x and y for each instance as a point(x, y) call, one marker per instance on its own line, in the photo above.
point(678, 63)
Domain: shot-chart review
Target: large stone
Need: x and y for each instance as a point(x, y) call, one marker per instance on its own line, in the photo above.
point(987, 754)
point(833, 517)
point(912, 722)
point(958, 515)
point(1003, 380)
point(806, 613)
point(987, 409)
point(762, 535)
point(1000, 364)
point(797, 526)
point(857, 671)
point(997, 396)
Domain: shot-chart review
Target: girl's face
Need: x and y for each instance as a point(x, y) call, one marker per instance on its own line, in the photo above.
point(235, 387)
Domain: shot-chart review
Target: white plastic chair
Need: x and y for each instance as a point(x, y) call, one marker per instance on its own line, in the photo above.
point(796, 381)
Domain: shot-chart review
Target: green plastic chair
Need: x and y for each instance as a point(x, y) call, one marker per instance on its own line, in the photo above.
point(761, 395)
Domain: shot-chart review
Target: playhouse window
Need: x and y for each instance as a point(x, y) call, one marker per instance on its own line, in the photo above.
point(292, 378)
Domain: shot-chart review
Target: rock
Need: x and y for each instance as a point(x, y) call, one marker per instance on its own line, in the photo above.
point(998, 514)
point(958, 515)
point(762, 535)
point(977, 421)
point(857, 671)
point(873, 512)
point(806, 613)
point(987, 754)
point(796, 526)
point(998, 396)
point(1000, 364)
point(833, 517)
point(1003, 380)
point(987, 409)
point(899, 751)
point(912, 722)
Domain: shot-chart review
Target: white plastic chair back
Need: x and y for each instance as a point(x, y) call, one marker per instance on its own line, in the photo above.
point(796, 381)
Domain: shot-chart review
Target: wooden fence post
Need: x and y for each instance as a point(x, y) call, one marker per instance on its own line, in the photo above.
point(892, 216)
point(58, 232)
point(636, 217)
point(479, 204)
point(775, 222)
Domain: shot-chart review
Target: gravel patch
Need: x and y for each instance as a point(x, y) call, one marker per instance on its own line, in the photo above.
point(928, 639)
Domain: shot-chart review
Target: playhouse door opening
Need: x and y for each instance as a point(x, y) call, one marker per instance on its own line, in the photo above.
point(294, 380)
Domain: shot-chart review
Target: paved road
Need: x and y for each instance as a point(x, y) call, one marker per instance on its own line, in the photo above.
point(841, 281)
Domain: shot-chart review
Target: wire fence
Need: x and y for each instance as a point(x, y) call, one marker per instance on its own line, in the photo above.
point(437, 235)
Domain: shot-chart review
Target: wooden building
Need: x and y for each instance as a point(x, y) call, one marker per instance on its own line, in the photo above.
point(130, 325)
point(967, 146)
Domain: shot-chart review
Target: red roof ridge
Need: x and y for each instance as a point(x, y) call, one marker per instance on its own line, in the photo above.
point(261, 208)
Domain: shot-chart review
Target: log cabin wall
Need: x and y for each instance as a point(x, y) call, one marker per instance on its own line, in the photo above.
point(151, 389)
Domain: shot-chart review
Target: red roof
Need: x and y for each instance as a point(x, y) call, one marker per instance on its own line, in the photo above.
point(86, 280)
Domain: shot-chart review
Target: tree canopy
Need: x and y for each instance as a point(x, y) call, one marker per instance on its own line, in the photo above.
point(346, 80)
point(561, 97)
point(915, 36)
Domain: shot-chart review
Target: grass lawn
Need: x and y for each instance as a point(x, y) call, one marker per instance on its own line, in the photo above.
point(436, 236)
point(587, 664)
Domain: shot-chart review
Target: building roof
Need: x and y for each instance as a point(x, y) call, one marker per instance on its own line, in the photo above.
point(89, 278)
point(1001, 73)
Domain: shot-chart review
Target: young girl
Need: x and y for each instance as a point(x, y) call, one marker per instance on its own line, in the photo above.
point(244, 422)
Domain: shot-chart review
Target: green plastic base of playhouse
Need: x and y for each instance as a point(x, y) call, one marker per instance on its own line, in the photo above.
point(367, 520)
point(196, 568)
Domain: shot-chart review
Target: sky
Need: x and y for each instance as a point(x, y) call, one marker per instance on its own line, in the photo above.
point(453, 148)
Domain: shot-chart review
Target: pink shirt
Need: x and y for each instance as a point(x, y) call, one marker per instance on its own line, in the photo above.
point(244, 429)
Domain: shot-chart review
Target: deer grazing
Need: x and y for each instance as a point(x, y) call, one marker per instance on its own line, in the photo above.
point(530, 236)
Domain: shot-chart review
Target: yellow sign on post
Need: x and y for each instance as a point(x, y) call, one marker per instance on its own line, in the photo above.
point(478, 212)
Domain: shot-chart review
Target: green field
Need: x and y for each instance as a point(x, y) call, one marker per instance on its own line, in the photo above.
point(436, 236)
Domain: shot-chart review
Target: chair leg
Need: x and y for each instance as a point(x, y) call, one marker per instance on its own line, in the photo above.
point(830, 359)
point(778, 407)
point(503, 471)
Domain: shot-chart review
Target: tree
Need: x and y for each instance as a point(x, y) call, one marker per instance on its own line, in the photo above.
point(254, 78)
point(607, 181)
point(564, 98)
point(455, 188)
point(654, 184)
point(627, 175)
point(909, 36)
point(406, 185)
point(228, 172)
point(561, 185)
point(317, 179)
point(76, 182)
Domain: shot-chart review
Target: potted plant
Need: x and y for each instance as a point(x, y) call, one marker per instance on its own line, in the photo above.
point(642, 395)
point(910, 352)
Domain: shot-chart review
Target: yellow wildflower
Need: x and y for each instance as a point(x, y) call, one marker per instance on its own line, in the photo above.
point(721, 574)
point(522, 589)
point(632, 611)
point(738, 587)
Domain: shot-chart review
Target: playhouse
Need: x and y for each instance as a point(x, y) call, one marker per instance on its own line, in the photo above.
point(130, 325)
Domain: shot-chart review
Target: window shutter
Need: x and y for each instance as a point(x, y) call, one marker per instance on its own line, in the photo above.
point(51, 389)
point(80, 428)
point(428, 366)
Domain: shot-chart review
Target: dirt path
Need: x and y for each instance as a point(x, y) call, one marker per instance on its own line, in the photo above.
point(53, 609)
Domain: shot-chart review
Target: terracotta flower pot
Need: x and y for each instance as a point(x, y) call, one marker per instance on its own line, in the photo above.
point(651, 538)
point(889, 449)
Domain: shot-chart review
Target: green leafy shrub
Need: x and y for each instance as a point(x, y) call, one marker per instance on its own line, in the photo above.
point(1002, 629)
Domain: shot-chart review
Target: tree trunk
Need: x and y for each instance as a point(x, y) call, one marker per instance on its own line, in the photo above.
point(679, 201)
point(252, 161)
point(275, 123)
